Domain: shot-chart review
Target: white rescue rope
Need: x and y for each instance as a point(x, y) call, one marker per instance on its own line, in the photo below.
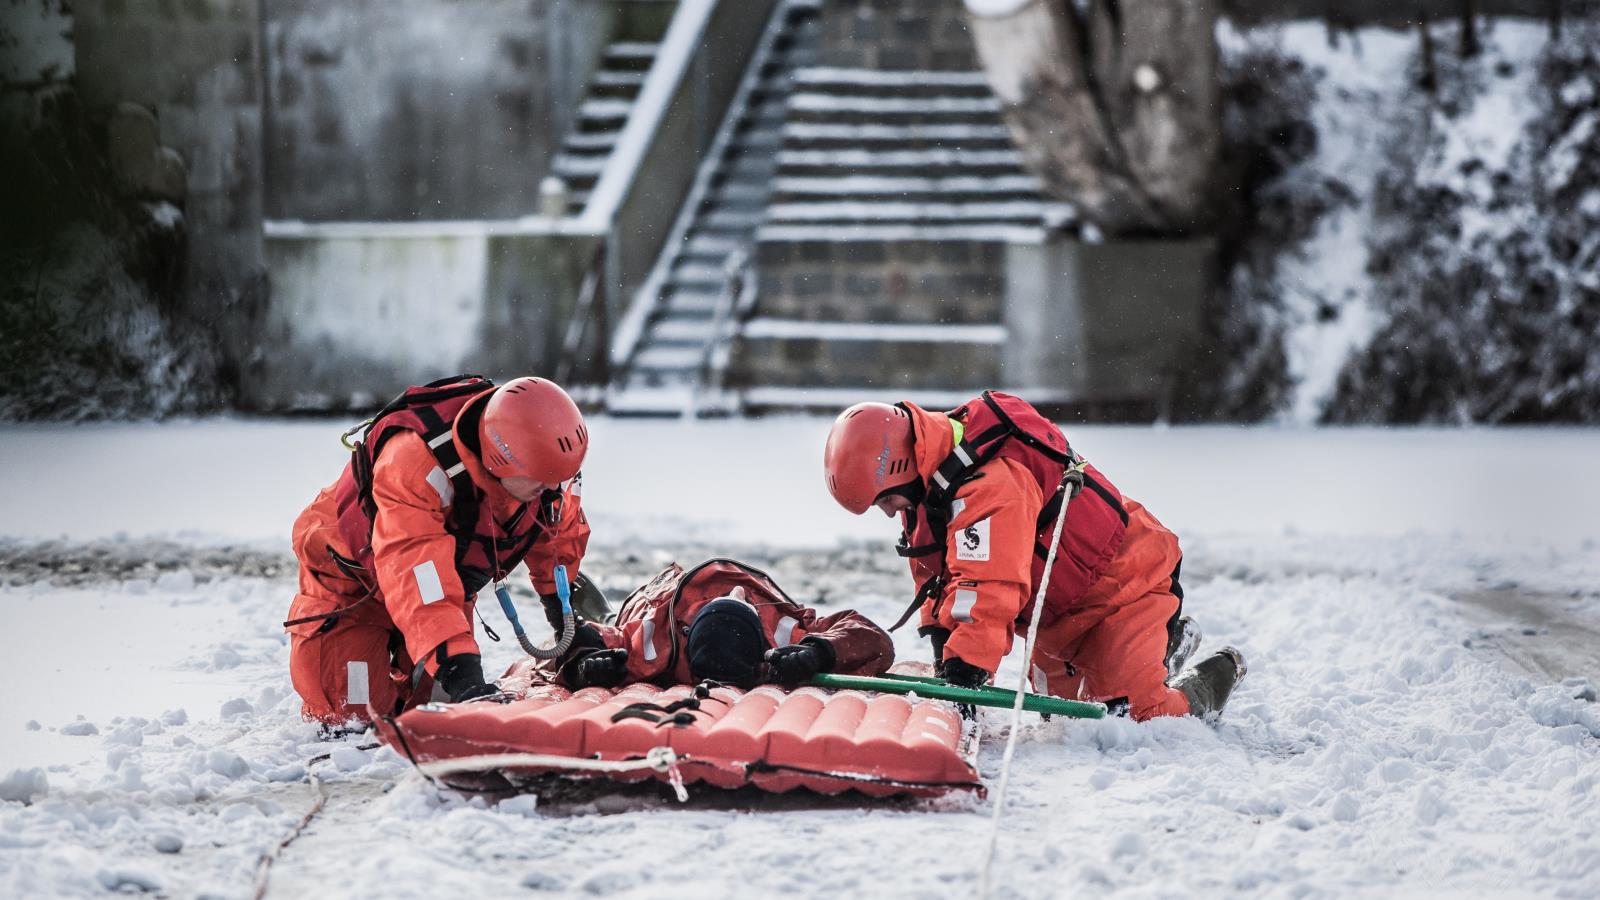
point(659, 759)
point(1071, 489)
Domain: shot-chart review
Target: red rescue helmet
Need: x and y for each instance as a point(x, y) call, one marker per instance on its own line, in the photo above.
point(532, 429)
point(869, 451)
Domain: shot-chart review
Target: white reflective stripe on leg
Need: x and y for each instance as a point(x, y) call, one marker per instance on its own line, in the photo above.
point(429, 588)
point(441, 484)
point(439, 440)
point(943, 482)
point(456, 469)
point(962, 454)
point(649, 640)
point(356, 690)
point(1041, 682)
point(961, 610)
point(783, 634)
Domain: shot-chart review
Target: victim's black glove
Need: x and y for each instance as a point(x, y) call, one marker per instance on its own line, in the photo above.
point(797, 663)
point(596, 668)
point(461, 676)
point(961, 673)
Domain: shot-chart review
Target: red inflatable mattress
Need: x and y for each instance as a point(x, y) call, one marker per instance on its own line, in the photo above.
point(776, 740)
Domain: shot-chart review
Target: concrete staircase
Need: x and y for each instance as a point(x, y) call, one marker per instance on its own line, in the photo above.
point(601, 116)
point(661, 375)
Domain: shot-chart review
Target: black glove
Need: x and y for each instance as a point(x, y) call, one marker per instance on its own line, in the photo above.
point(461, 676)
point(961, 673)
point(596, 668)
point(796, 663)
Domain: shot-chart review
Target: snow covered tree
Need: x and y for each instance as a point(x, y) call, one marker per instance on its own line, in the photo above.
point(1112, 103)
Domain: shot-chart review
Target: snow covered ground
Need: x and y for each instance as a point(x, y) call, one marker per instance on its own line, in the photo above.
point(1378, 747)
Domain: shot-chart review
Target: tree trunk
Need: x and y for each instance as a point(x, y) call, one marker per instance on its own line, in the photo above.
point(1113, 104)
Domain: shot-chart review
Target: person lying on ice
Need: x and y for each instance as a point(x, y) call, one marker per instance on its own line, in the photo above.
point(978, 491)
point(454, 484)
point(724, 621)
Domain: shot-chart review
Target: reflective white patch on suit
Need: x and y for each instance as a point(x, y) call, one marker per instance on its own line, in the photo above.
point(1041, 682)
point(783, 633)
point(972, 542)
point(429, 588)
point(649, 640)
point(356, 691)
point(956, 506)
point(441, 484)
point(961, 610)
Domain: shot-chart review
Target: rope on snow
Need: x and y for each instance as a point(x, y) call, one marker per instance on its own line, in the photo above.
point(264, 868)
point(1071, 482)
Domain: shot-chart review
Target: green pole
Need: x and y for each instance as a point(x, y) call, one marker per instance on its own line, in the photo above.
point(1000, 698)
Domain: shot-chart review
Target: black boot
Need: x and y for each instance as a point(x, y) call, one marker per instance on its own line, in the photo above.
point(1211, 681)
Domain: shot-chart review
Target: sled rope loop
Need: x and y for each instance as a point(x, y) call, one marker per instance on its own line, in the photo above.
point(657, 759)
point(1072, 482)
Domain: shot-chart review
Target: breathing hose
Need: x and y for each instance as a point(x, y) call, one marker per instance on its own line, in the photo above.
point(569, 620)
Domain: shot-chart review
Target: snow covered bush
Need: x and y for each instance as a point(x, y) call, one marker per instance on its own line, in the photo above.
point(1486, 261)
point(1271, 205)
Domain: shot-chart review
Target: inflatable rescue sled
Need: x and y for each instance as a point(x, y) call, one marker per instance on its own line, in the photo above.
point(825, 741)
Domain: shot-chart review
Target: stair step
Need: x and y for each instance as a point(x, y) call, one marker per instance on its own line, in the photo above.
point(682, 330)
point(724, 221)
point(900, 162)
point(881, 109)
point(698, 276)
point(619, 78)
point(820, 135)
point(850, 186)
point(1013, 211)
point(604, 109)
point(710, 245)
point(638, 55)
point(590, 166)
point(590, 141)
point(695, 301)
point(683, 359)
point(914, 83)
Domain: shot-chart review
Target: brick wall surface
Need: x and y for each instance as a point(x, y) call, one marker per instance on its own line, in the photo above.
point(925, 282)
point(896, 34)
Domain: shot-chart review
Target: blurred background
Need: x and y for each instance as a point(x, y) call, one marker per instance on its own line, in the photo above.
point(1164, 210)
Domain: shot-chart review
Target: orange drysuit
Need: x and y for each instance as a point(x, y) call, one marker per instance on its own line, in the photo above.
point(377, 636)
point(1111, 645)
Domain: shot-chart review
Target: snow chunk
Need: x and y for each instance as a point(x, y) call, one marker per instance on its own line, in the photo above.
point(167, 842)
point(80, 728)
point(520, 805)
point(24, 785)
point(33, 725)
point(127, 880)
point(238, 706)
point(349, 759)
point(543, 881)
point(179, 581)
point(227, 763)
point(175, 717)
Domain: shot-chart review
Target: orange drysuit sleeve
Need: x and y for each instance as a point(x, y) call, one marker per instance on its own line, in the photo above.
point(415, 556)
point(988, 563)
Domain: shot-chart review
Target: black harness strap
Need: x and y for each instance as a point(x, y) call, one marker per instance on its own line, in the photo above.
point(929, 587)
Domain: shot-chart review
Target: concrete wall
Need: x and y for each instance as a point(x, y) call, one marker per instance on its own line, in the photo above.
point(382, 110)
point(896, 34)
point(1103, 323)
point(195, 65)
point(35, 44)
point(361, 311)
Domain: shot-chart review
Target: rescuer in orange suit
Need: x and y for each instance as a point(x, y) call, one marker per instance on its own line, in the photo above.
point(453, 484)
point(724, 621)
point(978, 490)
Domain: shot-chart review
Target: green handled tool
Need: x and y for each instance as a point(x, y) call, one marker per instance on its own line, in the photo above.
point(937, 688)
